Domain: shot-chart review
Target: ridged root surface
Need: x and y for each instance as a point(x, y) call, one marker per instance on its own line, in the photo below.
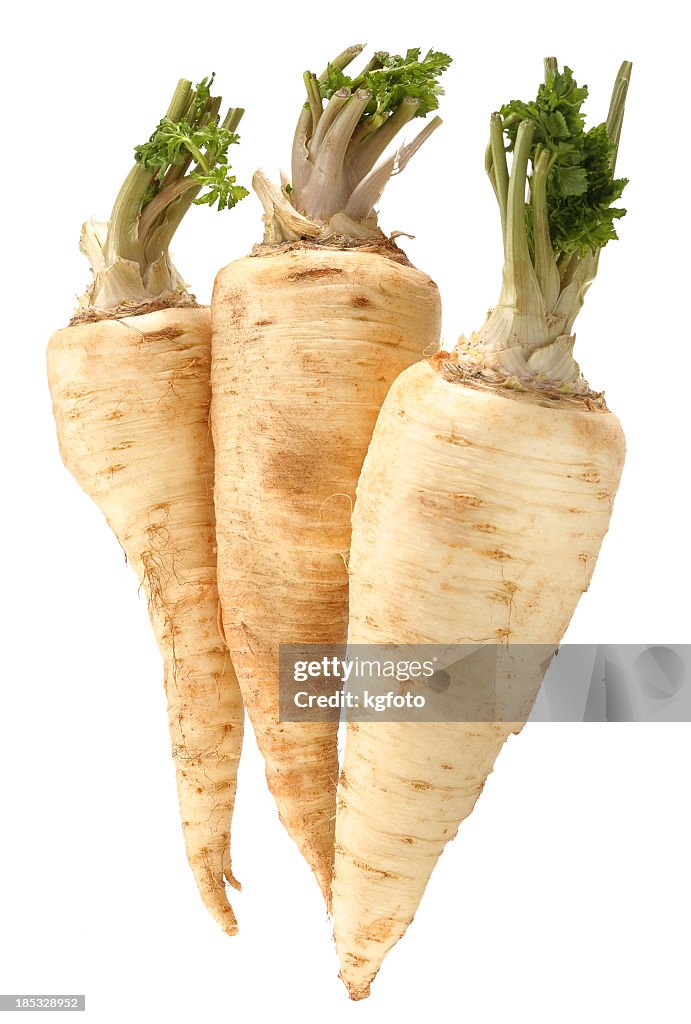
point(131, 403)
point(479, 519)
point(305, 346)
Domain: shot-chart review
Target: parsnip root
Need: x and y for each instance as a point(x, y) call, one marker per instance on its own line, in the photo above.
point(305, 346)
point(131, 402)
point(509, 496)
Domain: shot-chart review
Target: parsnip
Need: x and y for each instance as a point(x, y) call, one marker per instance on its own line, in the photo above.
point(308, 334)
point(483, 501)
point(131, 398)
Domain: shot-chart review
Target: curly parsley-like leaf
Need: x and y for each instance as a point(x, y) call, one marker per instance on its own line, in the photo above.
point(222, 188)
point(555, 113)
point(186, 152)
point(335, 79)
point(172, 143)
point(552, 243)
point(580, 185)
point(346, 125)
point(197, 138)
point(202, 95)
point(584, 222)
point(409, 76)
point(398, 78)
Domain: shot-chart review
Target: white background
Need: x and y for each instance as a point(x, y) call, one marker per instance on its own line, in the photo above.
point(565, 897)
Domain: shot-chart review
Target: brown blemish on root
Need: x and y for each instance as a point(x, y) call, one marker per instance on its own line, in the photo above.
point(231, 298)
point(378, 930)
point(355, 960)
point(292, 472)
point(70, 394)
point(264, 323)
point(483, 527)
point(420, 784)
point(362, 866)
point(165, 334)
point(497, 554)
point(454, 438)
point(455, 504)
point(314, 274)
point(360, 301)
point(471, 500)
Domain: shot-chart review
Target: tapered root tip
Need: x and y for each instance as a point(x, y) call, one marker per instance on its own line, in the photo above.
point(321, 862)
point(324, 882)
point(357, 974)
point(225, 917)
point(223, 914)
point(356, 991)
point(212, 889)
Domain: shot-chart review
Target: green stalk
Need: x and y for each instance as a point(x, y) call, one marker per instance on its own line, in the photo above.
point(550, 66)
point(302, 130)
point(186, 153)
point(571, 300)
point(500, 171)
point(366, 152)
point(336, 147)
point(545, 278)
point(331, 111)
point(161, 236)
point(177, 171)
point(160, 203)
point(375, 64)
point(369, 191)
point(233, 118)
point(122, 241)
point(615, 116)
point(323, 195)
point(314, 99)
point(545, 262)
point(518, 269)
point(177, 203)
point(213, 109)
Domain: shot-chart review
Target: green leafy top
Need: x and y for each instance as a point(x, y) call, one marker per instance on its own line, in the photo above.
point(552, 243)
point(344, 128)
point(197, 137)
point(392, 79)
point(581, 187)
point(186, 153)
